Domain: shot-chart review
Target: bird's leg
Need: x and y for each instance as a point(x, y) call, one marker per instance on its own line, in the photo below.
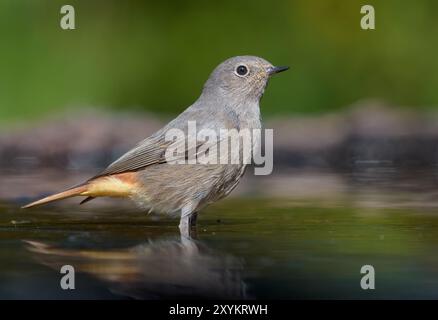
point(192, 219)
point(187, 224)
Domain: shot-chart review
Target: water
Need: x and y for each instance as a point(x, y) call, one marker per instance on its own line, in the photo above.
point(301, 235)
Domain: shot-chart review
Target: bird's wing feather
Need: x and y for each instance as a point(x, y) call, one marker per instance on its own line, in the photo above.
point(147, 153)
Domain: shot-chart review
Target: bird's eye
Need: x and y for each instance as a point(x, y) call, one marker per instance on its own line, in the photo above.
point(241, 70)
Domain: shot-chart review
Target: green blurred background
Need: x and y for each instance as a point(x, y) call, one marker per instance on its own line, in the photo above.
point(155, 56)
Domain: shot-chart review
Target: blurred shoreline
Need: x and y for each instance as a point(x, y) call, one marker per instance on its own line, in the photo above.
point(369, 133)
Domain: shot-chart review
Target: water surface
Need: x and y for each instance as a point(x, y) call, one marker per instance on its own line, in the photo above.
point(309, 240)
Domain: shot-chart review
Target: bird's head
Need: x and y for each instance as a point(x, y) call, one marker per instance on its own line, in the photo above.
point(242, 78)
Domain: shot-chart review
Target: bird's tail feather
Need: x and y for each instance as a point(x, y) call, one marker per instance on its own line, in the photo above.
point(75, 191)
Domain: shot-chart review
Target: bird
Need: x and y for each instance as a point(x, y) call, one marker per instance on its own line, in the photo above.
point(230, 99)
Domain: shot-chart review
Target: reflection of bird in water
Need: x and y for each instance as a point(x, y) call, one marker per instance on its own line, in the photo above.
point(162, 269)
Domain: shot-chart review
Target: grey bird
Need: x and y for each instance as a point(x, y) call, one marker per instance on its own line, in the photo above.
point(229, 100)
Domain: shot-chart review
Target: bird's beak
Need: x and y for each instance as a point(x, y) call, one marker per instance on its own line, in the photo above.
point(274, 70)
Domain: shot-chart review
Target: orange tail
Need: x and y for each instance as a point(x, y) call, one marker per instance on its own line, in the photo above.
point(76, 191)
point(118, 185)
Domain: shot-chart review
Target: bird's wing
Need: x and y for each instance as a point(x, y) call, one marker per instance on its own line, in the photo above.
point(148, 152)
point(152, 150)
